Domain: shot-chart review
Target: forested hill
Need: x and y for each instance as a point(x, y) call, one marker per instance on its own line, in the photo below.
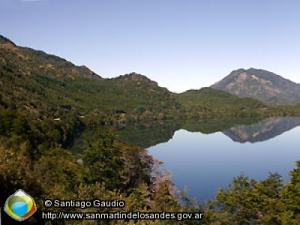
point(31, 62)
point(211, 103)
point(46, 86)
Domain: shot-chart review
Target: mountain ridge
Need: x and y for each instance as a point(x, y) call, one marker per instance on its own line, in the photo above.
point(48, 86)
point(47, 62)
point(4, 40)
point(258, 84)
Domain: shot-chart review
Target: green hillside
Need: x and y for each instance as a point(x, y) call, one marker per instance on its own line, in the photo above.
point(214, 103)
point(48, 85)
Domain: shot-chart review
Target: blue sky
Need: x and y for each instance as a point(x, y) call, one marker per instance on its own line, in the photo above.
point(181, 44)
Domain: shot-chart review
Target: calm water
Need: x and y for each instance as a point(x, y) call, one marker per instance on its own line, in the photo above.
point(208, 158)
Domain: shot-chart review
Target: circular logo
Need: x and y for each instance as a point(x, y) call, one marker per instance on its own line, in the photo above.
point(20, 206)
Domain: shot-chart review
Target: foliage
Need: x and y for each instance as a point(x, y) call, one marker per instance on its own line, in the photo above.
point(104, 162)
point(267, 202)
point(49, 87)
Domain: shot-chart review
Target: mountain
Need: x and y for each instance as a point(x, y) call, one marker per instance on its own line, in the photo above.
point(47, 85)
point(27, 61)
point(262, 85)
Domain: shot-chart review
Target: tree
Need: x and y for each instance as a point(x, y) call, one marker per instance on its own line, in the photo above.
point(104, 161)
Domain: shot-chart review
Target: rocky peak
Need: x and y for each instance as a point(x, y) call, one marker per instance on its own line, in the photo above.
point(261, 85)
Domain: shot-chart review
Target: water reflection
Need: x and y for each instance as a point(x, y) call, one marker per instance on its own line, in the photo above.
point(205, 156)
point(146, 135)
point(263, 130)
point(150, 134)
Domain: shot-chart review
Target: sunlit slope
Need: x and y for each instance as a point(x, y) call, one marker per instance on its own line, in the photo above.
point(45, 84)
point(262, 85)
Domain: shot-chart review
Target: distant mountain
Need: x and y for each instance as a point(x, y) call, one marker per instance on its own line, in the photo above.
point(261, 85)
point(263, 130)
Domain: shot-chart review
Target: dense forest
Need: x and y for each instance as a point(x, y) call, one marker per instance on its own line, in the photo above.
point(47, 86)
point(47, 103)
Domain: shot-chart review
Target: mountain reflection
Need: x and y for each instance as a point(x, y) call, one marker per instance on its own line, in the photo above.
point(263, 130)
point(147, 135)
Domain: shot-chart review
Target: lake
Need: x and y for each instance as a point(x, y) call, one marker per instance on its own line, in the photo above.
point(204, 156)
